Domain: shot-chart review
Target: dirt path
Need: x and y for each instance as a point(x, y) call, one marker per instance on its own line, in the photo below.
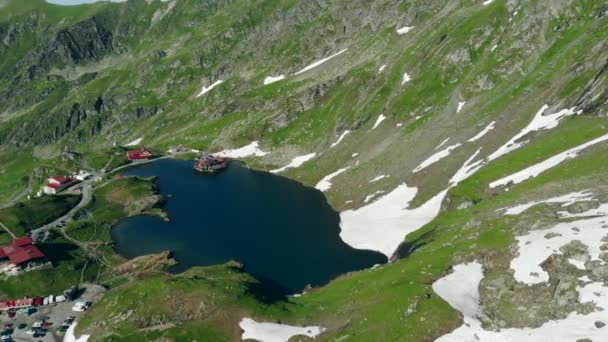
point(8, 230)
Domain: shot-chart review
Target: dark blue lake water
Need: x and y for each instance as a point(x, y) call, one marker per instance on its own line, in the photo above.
point(279, 229)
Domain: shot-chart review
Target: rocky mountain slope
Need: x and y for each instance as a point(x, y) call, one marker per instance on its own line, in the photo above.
point(424, 122)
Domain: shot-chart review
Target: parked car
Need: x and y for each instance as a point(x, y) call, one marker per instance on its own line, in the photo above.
point(21, 326)
point(37, 324)
point(80, 306)
point(30, 332)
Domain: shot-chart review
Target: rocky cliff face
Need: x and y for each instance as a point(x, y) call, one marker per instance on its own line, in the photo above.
point(434, 99)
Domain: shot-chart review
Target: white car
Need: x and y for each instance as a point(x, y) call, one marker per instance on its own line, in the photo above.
point(5, 337)
point(37, 324)
point(79, 308)
point(30, 332)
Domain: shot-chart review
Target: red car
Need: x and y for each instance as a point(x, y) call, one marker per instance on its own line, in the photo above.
point(47, 324)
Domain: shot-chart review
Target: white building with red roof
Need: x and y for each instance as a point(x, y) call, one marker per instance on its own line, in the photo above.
point(57, 184)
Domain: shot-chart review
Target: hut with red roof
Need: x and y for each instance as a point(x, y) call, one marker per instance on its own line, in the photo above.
point(140, 153)
point(21, 253)
point(57, 184)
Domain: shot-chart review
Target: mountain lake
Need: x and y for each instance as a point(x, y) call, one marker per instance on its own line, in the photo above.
point(281, 231)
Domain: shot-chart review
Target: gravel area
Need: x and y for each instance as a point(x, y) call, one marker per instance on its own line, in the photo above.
point(57, 313)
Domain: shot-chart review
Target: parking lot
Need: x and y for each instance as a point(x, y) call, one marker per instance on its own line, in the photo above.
point(56, 315)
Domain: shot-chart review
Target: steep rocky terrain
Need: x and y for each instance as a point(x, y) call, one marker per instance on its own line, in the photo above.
point(425, 122)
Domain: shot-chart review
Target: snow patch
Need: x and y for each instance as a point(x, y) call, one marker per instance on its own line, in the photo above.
point(577, 263)
point(483, 132)
point(487, 2)
point(406, 78)
point(372, 196)
point(584, 279)
point(207, 89)
point(340, 138)
point(243, 152)
point(381, 69)
point(274, 332)
point(377, 178)
point(382, 225)
point(404, 30)
point(467, 169)
point(317, 63)
point(534, 247)
point(71, 337)
point(442, 143)
point(539, 122)
point(461, 289)
point(134, 142)
point(295, 162)
point(381, 118)
point(271, 79)
point(354, 155)
point(325, 183)
point(460, 106)
point(537, 169)
point(493, 47)
point(602, 210)
point(567, 200)
point(436, 157)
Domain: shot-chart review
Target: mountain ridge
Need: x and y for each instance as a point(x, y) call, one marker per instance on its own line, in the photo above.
point(468, 96)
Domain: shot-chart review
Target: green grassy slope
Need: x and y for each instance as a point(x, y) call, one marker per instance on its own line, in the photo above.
point(505, 60)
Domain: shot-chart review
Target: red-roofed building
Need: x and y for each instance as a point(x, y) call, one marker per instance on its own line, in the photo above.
point(16, 304)
point(57, 184)
point(140, 153)
point(21, 253)
point(22, 241)
point(58, 180)
point(25, 254)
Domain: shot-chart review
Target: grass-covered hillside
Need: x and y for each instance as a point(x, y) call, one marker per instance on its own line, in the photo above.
point(424, 122)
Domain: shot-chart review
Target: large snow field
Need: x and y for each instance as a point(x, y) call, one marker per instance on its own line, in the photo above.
point(275, 332)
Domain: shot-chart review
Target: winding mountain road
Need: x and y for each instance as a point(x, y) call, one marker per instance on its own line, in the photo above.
point(40, 234)
point(87, 195)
